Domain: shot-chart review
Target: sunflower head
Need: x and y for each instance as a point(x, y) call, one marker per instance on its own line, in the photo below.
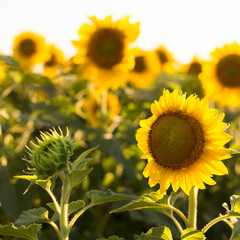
point(183, 141)
point(145, 69)
point(53, 63)
point(221, 76)
point(165, 59)
point(29, 49)
point(104, 49)
point(51, 154)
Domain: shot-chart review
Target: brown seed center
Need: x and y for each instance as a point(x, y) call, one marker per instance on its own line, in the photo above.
point(162, 56)
point(105, 47)
point(175, 140)
point(140, 64)
point(52, 61)
point(27, 47)
point(228, 70)
point(195, 68)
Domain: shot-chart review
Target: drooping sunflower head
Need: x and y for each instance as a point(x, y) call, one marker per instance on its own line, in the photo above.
point(29, 49)
point(145, 69)
point(165, 59)
point(104, 49)
point(183, 142)
point(53, 63)
point(221, 76)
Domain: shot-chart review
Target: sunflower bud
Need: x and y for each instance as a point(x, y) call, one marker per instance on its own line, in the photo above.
point(51, 154)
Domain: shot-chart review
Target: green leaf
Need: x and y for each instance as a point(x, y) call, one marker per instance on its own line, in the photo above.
point(111, 238)
point(98, 197)
point(29, 232)
point(75, 206)
point(235, 203)
point(80, 160)
point(150, 202)
point(78, 176)
point(72, 207)
point(155, 233)
point(32, 216)
point(236, 229)
point(192, 234)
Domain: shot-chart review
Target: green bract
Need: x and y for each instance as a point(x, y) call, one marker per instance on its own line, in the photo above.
point(51, 154)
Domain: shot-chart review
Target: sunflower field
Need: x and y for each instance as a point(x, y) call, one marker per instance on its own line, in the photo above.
point(118, 142)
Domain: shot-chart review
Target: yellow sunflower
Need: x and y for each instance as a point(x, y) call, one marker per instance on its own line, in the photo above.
point(52, 65)
point(183, 142)
point(220, 77)
point(145, 70)
point(166, 60)
point(194, 68)
point(29, 49)
point(92, 108)
point(103, 48)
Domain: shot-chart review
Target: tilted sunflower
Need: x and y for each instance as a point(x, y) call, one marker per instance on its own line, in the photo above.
point(220, 77)
point(166, 60)
point(184, 142)
point(145, 69)
point(29, 49)
point(103, 48)
point(54, 62)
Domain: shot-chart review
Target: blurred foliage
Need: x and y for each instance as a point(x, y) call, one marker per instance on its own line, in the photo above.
point(32, 102)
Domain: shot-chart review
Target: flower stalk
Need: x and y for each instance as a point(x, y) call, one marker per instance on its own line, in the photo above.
point(192, 211)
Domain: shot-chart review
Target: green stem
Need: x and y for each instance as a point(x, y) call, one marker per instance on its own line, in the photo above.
point(180, 214)
point(214, 221)
point(192, 210)
point(53, 224)
point(53, 199)
point(63, 217)
point(179, 227)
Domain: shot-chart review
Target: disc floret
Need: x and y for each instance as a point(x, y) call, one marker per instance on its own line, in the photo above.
point(51, 153)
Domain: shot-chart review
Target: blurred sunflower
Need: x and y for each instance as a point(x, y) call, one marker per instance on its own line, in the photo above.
point(220, 77)
point(92, 108)
point(183, 142)
point(103, 48)
point(29, 49)
point(194, 67)
point(145, 70)
point(165, 59)
point(52, 65)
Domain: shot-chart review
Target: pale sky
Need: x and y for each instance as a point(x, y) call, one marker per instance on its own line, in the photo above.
point(185, 27)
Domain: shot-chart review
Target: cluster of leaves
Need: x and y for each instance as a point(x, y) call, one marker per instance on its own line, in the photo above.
point(32, 102)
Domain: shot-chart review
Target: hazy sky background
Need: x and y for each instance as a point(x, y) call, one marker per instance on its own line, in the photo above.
point(185, 27)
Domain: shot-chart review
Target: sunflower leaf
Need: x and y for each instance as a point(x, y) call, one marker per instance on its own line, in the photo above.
point(236, 229)
point(191, 233)
point(32, 216)
point(111, 238)
point(77, 176)
point(98, 197)
point(235, 206)
point(155, 233)
point(150, 202)
point(29, 232)
point(79, 162)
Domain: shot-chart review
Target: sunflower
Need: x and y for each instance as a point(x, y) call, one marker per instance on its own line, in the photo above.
point(183, 142)
point(145, 70)
point(194, 68)
point(29, 49)
point(221, 76)
point(103, 48)
point(165, 58)
point(92, 108)
point(52, 65)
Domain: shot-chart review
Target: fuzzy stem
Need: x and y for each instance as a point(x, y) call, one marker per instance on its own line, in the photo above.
point(63, 218)
point(53, 199)
point(192, 210)
point(179, 227)
point(214, 221)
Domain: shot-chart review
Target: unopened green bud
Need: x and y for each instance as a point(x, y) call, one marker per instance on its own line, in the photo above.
point(51, 154)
